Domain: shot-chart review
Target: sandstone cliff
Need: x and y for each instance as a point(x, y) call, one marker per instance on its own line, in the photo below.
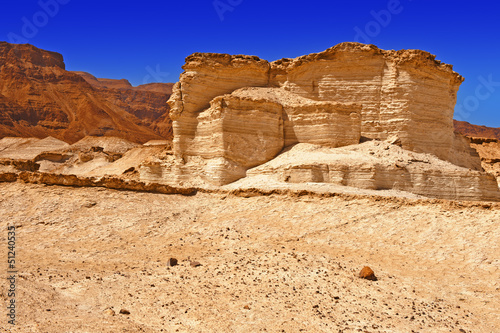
point(233, 115)
point(401, 93)
point(38, 97)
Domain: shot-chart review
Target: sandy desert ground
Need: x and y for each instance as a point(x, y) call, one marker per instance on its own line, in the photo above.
point(268, 263)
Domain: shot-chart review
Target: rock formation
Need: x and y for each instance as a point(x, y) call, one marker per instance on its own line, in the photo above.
point(233, 113)
point(485, 140)
point(379, 165)
point(28, 148)
point(489, 151)
point(400, 93)
point(38, 98)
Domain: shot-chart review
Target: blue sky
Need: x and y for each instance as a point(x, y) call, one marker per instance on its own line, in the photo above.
point(147, 41)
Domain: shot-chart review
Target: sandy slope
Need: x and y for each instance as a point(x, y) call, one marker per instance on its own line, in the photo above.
point(269, 263)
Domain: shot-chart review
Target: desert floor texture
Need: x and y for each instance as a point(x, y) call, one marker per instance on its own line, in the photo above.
point(268, 263)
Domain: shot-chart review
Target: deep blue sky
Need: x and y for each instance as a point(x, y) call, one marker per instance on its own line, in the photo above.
point(147, 41)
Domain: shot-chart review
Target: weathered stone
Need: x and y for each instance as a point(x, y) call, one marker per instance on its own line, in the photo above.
point(194, 264)
point(172, 262)
point(378, 165)
point(401, 92)
point(368, 274)
point(124, 311)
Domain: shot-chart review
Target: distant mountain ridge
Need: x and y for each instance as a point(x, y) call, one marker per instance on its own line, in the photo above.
point(477, 131)
point(39, 98)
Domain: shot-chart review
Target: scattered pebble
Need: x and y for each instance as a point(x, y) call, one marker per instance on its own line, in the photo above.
point(368, 274)
point(195, 264)
point(172, 262)
point(125, 312)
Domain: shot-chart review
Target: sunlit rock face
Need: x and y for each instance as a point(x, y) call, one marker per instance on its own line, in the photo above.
point(233, 113)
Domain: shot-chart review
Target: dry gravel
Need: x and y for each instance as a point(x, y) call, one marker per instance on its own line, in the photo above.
point(268, 263)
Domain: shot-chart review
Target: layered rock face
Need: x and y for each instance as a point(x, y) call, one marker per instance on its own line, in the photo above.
point(252, 125)
point(38, 97)
point(403, 93)
point(378, 165)
point(349, 93)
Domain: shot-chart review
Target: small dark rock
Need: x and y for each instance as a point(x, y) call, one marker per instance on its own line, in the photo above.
point(172, 262)
point(125, 312)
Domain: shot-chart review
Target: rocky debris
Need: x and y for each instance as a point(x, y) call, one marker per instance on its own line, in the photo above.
point(20, 165)
point(8, 177)
point(95, 156)
point(368, 274)
point(195, 264)
point(489, 152)
point(107, 182)
point(172, 262)
point(124, 312)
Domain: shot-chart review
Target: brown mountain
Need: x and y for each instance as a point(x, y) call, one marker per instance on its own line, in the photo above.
point(147, 102)
point(38, 98)
point(476, 131)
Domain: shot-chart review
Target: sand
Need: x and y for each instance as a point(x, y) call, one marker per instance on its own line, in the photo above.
point(268, 263)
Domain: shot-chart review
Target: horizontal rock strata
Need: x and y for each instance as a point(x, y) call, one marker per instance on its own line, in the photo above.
point(401, 93)
point(380, 166)
point(108, 182)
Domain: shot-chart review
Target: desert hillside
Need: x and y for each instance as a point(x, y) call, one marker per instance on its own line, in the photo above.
point(267, 263)
point(39, 98)
point(476, 131)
